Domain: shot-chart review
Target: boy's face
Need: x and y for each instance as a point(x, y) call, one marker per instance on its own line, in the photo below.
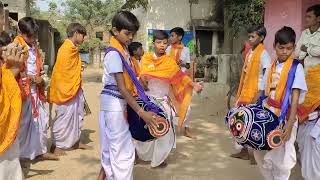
point(124, 36)
point(254, 39)
point(79, 38)
point(30, 40)
point(160, 46)
point(312, 19)
point(139, 52)
point(174, 38)
point(284, 51)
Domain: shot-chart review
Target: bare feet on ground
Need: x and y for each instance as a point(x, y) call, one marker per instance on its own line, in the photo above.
point(243, 154)
point(187, 133)
point(102, 174)
point(47, 156)
point(57, 151)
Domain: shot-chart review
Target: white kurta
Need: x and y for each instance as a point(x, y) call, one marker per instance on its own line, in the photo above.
point(67, 125)
point(277, 163)
point(158, 150)
point(308, 139)
point(10, 168)
point(33, 130)
point(117, 149)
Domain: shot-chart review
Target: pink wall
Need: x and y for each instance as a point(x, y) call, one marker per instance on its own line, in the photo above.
point(284, 13)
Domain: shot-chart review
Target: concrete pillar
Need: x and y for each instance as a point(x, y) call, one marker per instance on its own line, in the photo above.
point(224, 68)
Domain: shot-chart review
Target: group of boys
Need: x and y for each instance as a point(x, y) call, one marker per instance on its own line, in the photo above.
point(262, 75)
point(25, 105)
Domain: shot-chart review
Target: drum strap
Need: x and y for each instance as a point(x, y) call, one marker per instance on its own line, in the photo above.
point(136, 82)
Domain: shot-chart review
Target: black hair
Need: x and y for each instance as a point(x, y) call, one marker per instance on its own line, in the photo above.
point(133, 47)
point(28, 26)
point(178, 30)
point(285, 35)
point(125, 20)
point(5, 39)
point(315, 9)
point(76, 27)
point(259, 29)
point(159, 35)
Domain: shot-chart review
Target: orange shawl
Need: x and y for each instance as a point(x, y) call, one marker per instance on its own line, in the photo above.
point(166, 69)
point(179, 48)
point(134, 65)
point(312, 99)
point(66, 75)
point(248, 87)
point(25, 88)
point(280, 87)
point(10, 108)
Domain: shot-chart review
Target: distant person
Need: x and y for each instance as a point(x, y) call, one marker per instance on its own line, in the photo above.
point(66, 92)
point(256, 62)
point(35, 109)
point(308, 50)
point(181, 54)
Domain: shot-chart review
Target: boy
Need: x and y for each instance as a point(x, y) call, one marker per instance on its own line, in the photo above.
point(10, 109)
point(35, 111)
point(136, 52)
point(181, 55)
point(161, 74)
point(256, 62)
point(308, 50)
point(117, 149)
point(67, 94)
point(277, 163)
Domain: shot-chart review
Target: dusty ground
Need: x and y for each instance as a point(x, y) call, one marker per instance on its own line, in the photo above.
point(206, 158)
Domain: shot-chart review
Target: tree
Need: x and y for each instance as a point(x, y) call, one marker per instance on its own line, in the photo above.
point(244, 13)
point(132, 4)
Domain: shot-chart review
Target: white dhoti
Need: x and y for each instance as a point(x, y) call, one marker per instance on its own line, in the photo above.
point(117, 149)
point(33, 130)
point(277, 163)
point(66, 126)
point(158, 150)
point(308, 139)
point(10, 168)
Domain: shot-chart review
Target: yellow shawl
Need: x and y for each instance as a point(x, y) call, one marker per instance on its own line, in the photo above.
point(134, 65)
point(179, 48)
point(280, 87)
point(312, 99)
point(10, 108)
point(166, 69)
point(66, 75)
point(248, 87)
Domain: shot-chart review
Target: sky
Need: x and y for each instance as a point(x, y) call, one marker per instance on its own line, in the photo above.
point(43, 5)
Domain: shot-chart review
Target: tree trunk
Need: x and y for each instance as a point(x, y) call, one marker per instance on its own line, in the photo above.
point(228, 35)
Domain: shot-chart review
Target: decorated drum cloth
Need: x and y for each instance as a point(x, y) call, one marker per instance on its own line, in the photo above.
point(138, 128)
point(254, 126)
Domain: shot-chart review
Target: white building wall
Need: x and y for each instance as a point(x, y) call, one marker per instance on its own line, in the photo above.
point(167, 14)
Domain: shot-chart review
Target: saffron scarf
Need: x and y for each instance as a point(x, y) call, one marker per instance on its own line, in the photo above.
point(66, 75)
point(178, 48)
point(166, 69)
point(23, 79)
point(312, 98)
point(128, 82)
point(10, 108)
point(248, 87)
point(280, 87)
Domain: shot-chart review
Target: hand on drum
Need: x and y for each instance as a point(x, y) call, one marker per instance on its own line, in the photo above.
point(150, 118)
point(287, 131)
point(13, 57)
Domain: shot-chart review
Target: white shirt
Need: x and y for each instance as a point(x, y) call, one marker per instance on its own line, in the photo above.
point(312, 42)
point(32, 66)
point(112, 64)
point(185, 56)
point(265, 62)
point(299, 81)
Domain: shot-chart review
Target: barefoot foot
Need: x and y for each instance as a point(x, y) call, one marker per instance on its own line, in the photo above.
point(187, 133)
point(243, 154)
point(47, 156)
